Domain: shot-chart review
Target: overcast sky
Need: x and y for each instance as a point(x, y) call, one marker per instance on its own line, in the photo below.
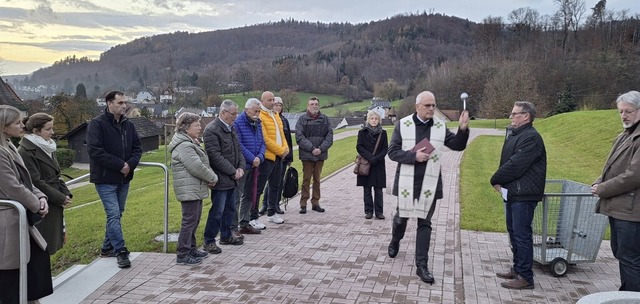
point(35, 33)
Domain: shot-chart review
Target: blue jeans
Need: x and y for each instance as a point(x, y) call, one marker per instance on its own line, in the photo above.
point(113, 197)
point(223, 209)
point(519, 217)
point(625, 244)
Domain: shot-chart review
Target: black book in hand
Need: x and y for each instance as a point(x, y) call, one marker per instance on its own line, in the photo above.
point(424, 144)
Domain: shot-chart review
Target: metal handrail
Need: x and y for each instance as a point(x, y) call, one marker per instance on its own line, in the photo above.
point(165, 246)
point(24, 240)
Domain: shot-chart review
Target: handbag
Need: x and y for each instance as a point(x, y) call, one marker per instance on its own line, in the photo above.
point(363, 166)
point(33, 218)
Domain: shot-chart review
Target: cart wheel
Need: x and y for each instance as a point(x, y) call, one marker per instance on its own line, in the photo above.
point(559, 267)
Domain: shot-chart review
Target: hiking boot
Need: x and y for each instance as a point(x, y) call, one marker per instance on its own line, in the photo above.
point(212, 248)
point(317, 208)
point(248, 229)
point(275, 219)
point(303, 210)
point(257, 225)
point(188, 260)
point(509, 275)
point(517, 283)
point(123, 258)
point(237, 234)
point(368, 216)
point(231, 241)
point(198, 253)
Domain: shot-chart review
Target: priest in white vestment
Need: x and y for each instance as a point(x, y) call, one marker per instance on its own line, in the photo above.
point(418, 184)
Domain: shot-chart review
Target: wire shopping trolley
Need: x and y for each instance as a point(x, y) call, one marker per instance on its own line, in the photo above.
point(566, 229)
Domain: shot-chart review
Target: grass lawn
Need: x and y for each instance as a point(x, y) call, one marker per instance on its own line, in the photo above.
point(241, 99)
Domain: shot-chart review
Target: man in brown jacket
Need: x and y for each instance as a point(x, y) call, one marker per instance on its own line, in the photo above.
point(619, 191)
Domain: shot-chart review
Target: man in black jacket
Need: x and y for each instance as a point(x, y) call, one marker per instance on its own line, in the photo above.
point(114, 151)
point(520, 179)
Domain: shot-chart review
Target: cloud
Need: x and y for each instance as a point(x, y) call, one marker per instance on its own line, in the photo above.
point(65, 45)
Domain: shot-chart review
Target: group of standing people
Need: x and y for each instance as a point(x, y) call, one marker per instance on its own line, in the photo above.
point(245, 155)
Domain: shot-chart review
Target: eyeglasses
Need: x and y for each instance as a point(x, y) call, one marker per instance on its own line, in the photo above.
point(517, 113)
point(627, 112)
point(232, 113)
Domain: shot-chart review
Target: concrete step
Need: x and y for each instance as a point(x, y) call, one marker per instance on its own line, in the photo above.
point(79, 281)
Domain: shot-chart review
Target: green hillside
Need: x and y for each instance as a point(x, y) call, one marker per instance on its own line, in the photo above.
point(577, 146)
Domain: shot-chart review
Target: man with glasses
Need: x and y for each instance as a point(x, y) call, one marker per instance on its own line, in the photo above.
point(226, 160)
point(418, 181)
point(114, 151)
point(314, 136)
point(619, 191)
point(520, 180)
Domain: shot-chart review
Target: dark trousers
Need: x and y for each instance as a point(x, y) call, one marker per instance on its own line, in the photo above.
point(270, 171)
point(223, 209)
point(519, 216)
point(625, 244)
point(373, 203)
point(275, 182)
point(423, 234)
point(191, 211)
point(39, 283)
point(244, 196)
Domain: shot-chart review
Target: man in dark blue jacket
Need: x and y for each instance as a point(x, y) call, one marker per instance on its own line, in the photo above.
point(249, 131)
point(114, 150)
point(520, 179)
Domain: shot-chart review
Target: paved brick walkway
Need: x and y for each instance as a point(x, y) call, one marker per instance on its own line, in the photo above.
point(340, 257)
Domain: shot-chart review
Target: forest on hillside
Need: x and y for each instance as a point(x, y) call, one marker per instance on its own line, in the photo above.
point(582, 56)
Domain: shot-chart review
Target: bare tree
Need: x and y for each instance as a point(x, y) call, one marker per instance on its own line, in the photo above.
point(290, 99)
point(569, 14)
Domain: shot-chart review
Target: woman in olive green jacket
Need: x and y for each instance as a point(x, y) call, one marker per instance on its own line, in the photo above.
point(192, 179)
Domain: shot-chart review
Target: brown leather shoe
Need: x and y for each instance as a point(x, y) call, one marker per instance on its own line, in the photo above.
point(517, 283)
point(236, 234)
point(508, 275)
point(248, 229)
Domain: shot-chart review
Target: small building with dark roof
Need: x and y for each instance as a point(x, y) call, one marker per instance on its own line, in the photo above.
point(148, 133)
point(9, 97)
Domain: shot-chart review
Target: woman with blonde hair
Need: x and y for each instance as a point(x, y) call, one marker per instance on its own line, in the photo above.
point(192, 179)
point(373, 145)
point(38, 151)
point(16, 185)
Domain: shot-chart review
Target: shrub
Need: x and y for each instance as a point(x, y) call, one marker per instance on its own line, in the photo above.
point(65, 157)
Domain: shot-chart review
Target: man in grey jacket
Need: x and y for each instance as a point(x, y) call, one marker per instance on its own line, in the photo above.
point(314, 137)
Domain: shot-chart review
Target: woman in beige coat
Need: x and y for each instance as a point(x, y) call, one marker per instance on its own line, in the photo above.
point(16, 185)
